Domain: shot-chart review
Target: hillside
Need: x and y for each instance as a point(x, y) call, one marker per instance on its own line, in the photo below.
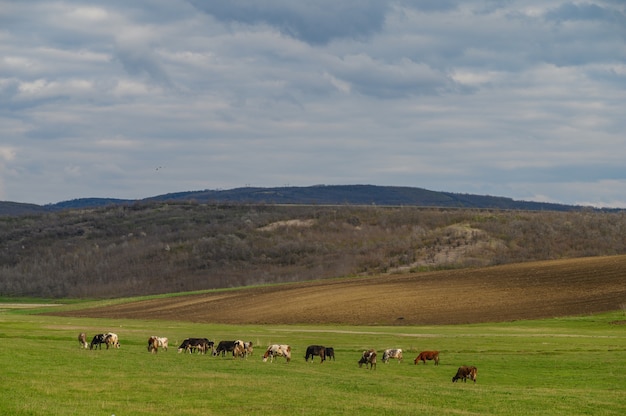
point(512, 292)
point(164, 247)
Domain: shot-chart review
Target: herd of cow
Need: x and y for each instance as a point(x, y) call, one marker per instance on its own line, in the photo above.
point(109, 339)
point(243, 349)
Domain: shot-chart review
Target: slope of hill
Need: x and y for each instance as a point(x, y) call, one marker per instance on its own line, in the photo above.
point(511, 292)
point(163, 247)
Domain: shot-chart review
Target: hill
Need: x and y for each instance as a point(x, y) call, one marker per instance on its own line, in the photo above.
point(317, 195)
point(511, 292)
point(359, 195)
point(163, 247)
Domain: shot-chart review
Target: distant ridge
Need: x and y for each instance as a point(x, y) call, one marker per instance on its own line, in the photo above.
point(360, 195)
point(318, 194)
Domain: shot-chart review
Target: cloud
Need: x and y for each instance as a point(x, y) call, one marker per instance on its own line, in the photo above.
point(517, 98)
point(315, 22)
point(7, 153)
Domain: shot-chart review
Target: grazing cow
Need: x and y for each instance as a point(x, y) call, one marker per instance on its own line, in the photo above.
point(277, 350)
point(368, 358)
point(239, 349)
point(111, 340)
point(97, 341)
point(82, 340)
point(163, 342)
point(313, 350)
point(201, 345)
point(330, 353)
point(153, 345)
point(392, 353)
point(464, 372)
point(427, 355)
point(247, 348)
point(242, 349)
point(226, 346)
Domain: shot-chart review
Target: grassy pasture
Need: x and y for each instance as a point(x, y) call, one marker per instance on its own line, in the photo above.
point(563, 366)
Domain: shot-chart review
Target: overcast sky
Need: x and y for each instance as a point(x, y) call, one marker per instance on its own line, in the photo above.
point(130, 99)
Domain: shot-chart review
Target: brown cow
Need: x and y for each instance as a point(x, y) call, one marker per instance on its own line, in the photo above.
point(427, 355)
point(153, 345)
point(368, 357)
point(82, 340)
point(464, 372)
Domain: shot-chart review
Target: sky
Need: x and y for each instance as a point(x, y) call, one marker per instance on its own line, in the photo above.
point(130, 99)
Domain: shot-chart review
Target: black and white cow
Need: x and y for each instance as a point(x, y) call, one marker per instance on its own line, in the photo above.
point(392, 353)
point(97, 341)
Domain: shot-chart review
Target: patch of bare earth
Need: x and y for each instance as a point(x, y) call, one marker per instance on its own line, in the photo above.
point(511, 292)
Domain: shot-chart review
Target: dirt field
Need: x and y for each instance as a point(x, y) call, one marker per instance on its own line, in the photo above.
point(511, 292)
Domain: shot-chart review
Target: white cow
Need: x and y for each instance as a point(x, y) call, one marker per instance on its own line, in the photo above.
point(111, 340)
point(277, 350)
point(392, 353)
point(162, 342)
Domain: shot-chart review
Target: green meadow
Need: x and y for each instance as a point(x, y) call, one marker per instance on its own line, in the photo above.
point(561, 366)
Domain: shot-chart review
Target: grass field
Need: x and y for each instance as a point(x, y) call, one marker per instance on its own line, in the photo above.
point(560, 366)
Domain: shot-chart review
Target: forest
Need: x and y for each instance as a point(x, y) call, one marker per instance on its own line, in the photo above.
point(153, 247)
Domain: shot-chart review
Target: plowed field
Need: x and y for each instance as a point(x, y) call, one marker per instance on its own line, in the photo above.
point(503, 293)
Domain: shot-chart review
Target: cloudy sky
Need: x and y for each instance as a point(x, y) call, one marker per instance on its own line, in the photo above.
point(129, 99)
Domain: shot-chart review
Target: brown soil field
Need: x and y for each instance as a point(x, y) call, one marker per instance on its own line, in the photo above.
point(494, 294)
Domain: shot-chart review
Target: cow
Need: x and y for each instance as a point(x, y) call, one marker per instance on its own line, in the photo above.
point(313, 350)
point(392, 353)
point(277, 350)
point(162, 342)
point(190, 345)
point(242, 349)
point(97, 341)
point(203, 345)
point(226, 346)
point(427, 355)
point(368, 358)
point(82, 340)
point(111, 340)
point(464, 372)
point(330, 353)
point(247, 348)
point(239, 349)
point(153, 345)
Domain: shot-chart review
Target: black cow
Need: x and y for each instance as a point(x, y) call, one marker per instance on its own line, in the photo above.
point(464, 372)
point(202, 345)
point(330, 353)
point(225, 346)
point(97, 341)
point(313, 350)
